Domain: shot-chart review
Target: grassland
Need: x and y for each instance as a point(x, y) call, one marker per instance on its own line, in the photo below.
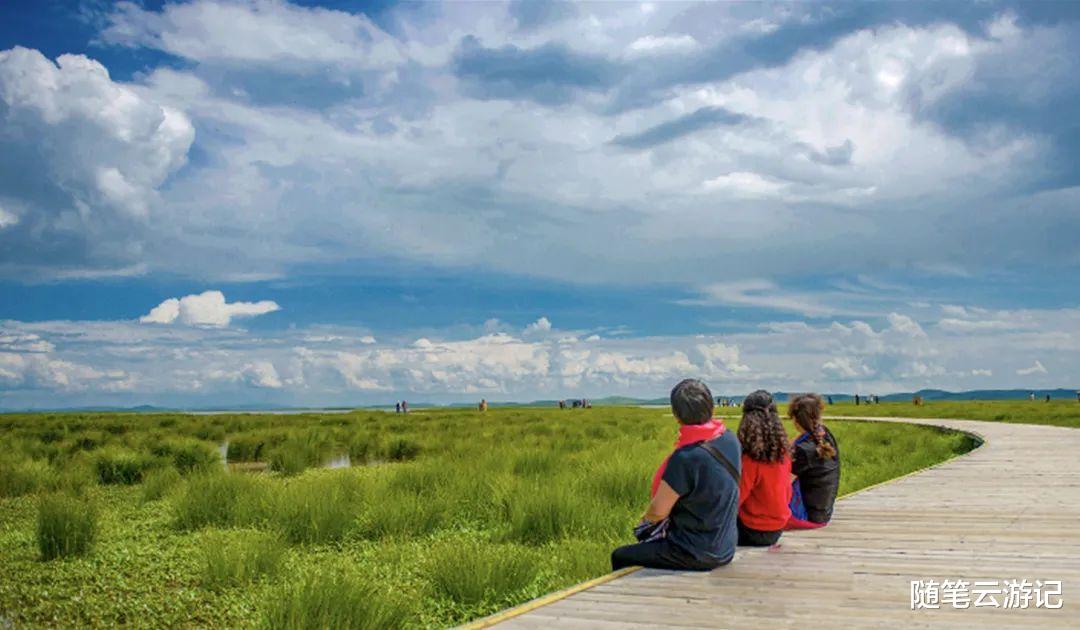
point(444, 515)
point(1062, 413)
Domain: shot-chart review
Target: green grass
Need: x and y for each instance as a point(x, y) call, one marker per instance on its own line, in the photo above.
point(446, 515)
point(66, 526)
point(237, 557)
point(471, 573)
point(1062, 413)
point(335, 598)
point(159, 483)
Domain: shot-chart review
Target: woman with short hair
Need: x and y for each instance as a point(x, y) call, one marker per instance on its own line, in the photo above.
point(690, 523)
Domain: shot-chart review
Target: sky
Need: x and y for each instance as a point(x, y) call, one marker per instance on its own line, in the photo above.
point(228, 202)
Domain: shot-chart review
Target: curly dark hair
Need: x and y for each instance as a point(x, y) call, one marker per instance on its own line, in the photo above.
point(805, 410)
point(761, 432)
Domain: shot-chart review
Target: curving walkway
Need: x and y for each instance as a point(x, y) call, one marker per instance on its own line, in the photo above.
point(1010, 509)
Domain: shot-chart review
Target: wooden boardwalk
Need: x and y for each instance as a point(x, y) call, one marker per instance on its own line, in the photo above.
point(1008, 510)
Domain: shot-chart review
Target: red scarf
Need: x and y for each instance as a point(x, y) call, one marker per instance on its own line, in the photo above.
point(689, 434)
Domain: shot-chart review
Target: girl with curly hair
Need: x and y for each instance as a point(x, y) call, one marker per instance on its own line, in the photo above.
point(815, 463)
point(765, 486)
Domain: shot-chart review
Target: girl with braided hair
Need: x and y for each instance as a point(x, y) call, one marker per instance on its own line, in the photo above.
point(765, 486)
point(815, 463)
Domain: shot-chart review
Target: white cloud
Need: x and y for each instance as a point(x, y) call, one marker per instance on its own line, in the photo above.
point(208, 308)
point(84, 361)
point(7, 219)
point(262, 374)
point(541, 325)
point(84, 157)
point(266, 31)
point(905, 325)
point(761, 293)
point(845, 368)
point(836, 143)
point(952, 324)
point(652, 44)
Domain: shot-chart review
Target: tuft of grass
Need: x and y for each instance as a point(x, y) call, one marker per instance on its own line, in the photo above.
point(536, 463)
point(319, 507)
point(189, 455)
point(335, 598)
point(472, 573)
point(545, 513)
point(159, 483)
point(237, 557)
point(402, 450)
point(19, 477)
point(222, 500)
point(122, 467)
point(66, 526)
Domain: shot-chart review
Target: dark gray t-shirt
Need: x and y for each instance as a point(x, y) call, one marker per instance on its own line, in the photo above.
point(703, 519)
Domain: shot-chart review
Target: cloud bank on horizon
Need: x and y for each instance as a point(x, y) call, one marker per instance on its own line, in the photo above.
point(808, 169)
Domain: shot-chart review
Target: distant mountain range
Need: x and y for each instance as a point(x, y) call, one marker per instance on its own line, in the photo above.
point(927, 394)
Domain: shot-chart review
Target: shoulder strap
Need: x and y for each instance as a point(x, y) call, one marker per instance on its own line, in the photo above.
point(720, 457)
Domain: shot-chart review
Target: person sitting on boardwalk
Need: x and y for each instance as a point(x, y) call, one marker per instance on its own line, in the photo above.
point(765, 488)
point(815, 462)
point(690, 523)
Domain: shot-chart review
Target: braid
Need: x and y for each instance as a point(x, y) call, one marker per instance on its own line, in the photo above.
point(805, 410)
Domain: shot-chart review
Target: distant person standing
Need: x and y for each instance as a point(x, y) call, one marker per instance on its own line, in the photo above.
point(483, 404)
point(1032, 397)
point(830, 399)
point(856, 400)
point(397, 407)
point(404, 407)
point(1048, 398)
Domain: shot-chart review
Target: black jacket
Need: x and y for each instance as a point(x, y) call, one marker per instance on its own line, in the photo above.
point(819, 479)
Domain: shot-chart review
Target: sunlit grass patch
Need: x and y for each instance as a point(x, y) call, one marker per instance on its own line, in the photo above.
point(469, 572)
point(335, 598)
point(118, 466)
point(66, 526)
point(319, 507)
point(159, 483)
point(222, 500)
point(236, 557)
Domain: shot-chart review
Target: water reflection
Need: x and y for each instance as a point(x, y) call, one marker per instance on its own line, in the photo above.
point(339, 461)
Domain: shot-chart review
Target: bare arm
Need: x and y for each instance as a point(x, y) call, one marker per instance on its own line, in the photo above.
point(661, 504)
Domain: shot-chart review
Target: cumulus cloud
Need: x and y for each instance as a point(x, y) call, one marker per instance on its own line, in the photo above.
point(262, 374)
point(204, 365)
point(208, 308)
point(845, 368)
point(541, 325)
point(83, 160)
point(515, 126)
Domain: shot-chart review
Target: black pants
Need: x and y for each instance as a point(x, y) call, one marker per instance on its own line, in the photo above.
point(755, 538)
point(658, 554)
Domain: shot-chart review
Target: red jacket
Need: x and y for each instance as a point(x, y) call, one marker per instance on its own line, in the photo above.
point(764, 494)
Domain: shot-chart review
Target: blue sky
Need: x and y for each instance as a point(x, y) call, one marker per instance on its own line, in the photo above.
point(230, 201)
